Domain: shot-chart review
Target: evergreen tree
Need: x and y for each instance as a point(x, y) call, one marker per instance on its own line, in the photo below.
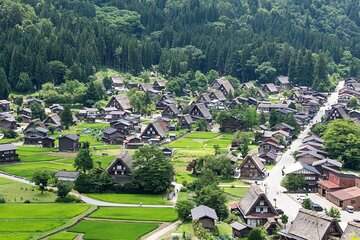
point(66, 117)
point(83, 160)
point(91, 96)
point(5, 86)
point(24, 84)
point(15, 67)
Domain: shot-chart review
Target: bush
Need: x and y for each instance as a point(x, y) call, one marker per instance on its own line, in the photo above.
point(183, 209)
point(2, 199)
point(27, 201)
point(64, 188)
point(183, 189)
point(68, 199)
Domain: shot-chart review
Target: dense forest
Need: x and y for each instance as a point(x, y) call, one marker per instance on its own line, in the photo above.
point(57, 40)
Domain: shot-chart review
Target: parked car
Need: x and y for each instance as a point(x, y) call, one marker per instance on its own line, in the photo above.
point(316, 207)
point(279, 211)
point(357, 220)
point(350, 209)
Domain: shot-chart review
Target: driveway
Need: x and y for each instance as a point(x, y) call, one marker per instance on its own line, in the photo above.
point(272, 184)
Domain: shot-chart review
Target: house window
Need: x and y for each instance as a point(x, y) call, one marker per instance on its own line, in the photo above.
point(353, 201)
point(258, 209)
point(262, 203)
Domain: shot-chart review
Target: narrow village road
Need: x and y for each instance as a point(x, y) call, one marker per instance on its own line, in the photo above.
point(159, 234)
point(272, 184)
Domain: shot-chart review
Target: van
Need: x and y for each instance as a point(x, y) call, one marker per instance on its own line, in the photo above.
point(316, 207)
point(350, 209)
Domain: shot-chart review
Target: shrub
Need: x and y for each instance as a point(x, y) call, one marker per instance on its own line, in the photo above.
point(63, 188)
point(2, 199)
point(183, 189)
point(183, 209)
point(27, 201)
point(68, 199)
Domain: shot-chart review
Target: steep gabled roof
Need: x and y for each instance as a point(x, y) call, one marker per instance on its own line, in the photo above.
point(55, 118)
point(352, 230)
point(256, 160)
point(283, 79)
point(312, 225)
point(203, 211)
point(251, 197)
point(203, 110)
point(123, 157)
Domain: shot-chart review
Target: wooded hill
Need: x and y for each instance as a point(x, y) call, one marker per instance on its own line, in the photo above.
point(56, 40)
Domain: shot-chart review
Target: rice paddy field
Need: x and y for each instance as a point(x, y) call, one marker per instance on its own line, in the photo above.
point(136, 213)
point(105, 230)
point(130, 198)
point(30, 221)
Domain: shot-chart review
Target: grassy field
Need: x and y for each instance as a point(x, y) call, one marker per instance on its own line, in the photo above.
point(25, 221)
point(136, 213)
point(130, 198)
point(19, 192)
point(235, 194)
point(63, 236)
point(41, 211)
point(27, 170)
point(102, 230)
point(201, 135)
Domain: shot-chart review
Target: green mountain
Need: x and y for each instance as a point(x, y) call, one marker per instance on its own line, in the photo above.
point(57, 40)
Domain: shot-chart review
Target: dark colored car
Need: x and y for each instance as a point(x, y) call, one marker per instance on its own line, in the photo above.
point(316, 207)
point(279, 211)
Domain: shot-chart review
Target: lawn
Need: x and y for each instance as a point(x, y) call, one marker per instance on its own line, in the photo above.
point(41, 211)
point(201, 135)
point(136, 213)
point(63, 236)
point(130, 198)
point(27, 170)
point(101, 230)
point(238, 192)
point(235, 194)
point(19, 192)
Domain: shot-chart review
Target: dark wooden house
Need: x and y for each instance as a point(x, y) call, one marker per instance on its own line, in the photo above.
point(120, 102)
point(185, 121)
point(120, 168)
point(8, 153)
point(69, 143)
point(199, 111)
point(153, 130)
point(252, 168)
point(255, 207)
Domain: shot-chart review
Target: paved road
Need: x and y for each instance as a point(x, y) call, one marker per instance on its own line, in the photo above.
point(272, 184)
point(159, 234)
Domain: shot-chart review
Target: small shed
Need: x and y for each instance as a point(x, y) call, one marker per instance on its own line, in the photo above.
point(69, 143)
point(240, 230)
point(206, 217)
